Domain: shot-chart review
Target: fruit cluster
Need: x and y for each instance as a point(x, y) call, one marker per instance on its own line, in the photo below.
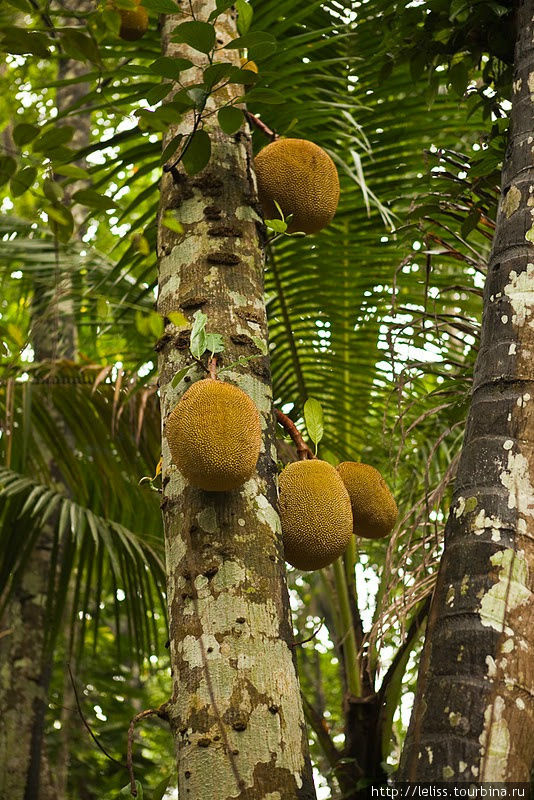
point(214, 437)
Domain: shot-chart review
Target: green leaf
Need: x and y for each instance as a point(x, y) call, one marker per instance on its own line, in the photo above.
point(220, 6)
point(8, 167)
point(170, 67)
point(102, 307)
point(156, 324)
point(173, 224)
point(198, 334)
point(79, 46)
point(162, 6)
point(180, 375)
point(214, 343)
point(244, 16)
point(21, 5)
point(197, 154)
point(459, 77)
point(22, 42)
point(52, 139)
point(268, 96)
point(24, 133)
point(22, 180)
point(250, 40)
point(198, 35)
point(72, 171)
point(276, 225)
point(158, 93)
point(171, 148)
point(313, 417)
point(52, 190)
point(258, 44)
point(215, 72)
point(92, 199)
point(161, 788)
point(127, 792)
point(230, 119)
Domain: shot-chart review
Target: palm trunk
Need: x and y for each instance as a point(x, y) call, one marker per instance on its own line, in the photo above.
point(235, 712)
point(474, 712)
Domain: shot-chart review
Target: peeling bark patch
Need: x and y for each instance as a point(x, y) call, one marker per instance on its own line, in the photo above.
point(516, 478)
point(495, 743)
point(511, 202)
point(520, 292)
point(510, 591)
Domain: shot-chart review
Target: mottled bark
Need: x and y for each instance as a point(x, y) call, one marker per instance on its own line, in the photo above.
point(21, 688)
point(474, 712)
point(235, 711)
point(25, 666)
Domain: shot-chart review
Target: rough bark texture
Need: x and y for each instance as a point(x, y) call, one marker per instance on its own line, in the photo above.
point(235, 711)
point(474, 712)
point(25, 667)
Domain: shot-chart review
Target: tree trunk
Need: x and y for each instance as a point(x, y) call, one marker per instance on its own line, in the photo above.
point(474, 712)
point(26, 667)
point(235, 712)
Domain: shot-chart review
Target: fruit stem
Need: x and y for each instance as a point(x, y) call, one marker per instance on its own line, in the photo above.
point(303, 451)
point(252, 119)
point(213, 367)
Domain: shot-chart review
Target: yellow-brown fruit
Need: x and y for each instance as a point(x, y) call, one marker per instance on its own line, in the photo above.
point(302, 179)
point(373, 507)
point(315, 513)
point(134, 23)
point(251, 65)
point(214, 435)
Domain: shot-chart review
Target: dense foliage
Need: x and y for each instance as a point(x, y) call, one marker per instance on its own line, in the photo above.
point(377, 317)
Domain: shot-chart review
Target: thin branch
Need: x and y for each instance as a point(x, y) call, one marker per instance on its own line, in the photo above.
point(252, 119)
point(314, 634)
point(86, 724)
point(303, 450)
point(149, 712)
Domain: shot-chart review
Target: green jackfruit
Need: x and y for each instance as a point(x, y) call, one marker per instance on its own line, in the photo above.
point(315, 513)
point(302, 179)
point(214, 435)
point(373, 507)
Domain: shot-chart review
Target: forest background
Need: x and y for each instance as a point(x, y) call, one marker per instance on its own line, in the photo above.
point(377, 317)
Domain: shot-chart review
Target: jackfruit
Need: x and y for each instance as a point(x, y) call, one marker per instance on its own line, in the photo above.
point(134, 23)
point(373, 507)
point(214, 435)
point(302, 179)
point(315, 513)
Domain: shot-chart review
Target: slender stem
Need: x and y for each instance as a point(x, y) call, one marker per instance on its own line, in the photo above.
point(149, 712)
point(348, 638)
point(303, 450)
point(257, 122)
point(213, 367)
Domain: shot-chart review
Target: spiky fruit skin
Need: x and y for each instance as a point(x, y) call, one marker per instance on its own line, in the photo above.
point(374, 509)
point(134, 23)
point(214, 435)
point(315, 513)
point(302, 179)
